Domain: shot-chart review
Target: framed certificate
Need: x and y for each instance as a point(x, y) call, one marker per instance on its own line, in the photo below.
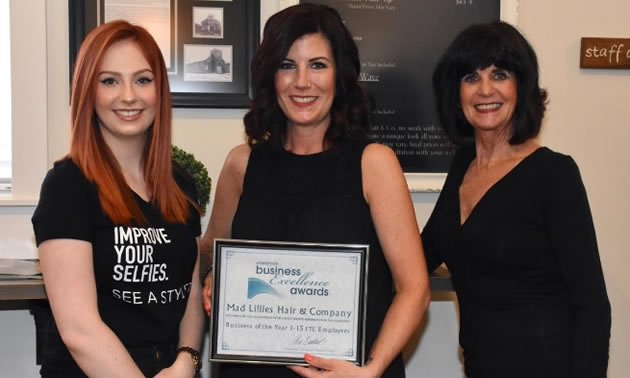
point(275, 301)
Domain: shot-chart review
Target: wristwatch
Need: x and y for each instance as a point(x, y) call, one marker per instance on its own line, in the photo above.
point(194, 355)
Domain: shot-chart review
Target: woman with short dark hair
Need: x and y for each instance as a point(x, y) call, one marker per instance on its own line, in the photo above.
point(480, 46)
point(513, 223)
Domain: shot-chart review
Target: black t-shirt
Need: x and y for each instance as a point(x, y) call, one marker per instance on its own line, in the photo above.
point(143, 273)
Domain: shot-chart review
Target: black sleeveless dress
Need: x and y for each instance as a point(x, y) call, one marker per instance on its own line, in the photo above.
point(312, 198)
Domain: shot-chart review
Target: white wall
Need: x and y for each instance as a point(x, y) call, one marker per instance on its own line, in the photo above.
point(29, 139)
point(588, 118)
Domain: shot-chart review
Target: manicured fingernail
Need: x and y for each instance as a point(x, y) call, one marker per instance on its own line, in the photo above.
point(308, 357)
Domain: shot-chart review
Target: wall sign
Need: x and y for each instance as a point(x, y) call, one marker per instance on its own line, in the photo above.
point(605, 53)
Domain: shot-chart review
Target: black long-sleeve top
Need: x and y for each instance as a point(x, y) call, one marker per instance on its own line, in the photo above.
point(526, 269)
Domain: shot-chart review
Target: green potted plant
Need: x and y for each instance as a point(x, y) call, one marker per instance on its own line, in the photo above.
point(199, 173)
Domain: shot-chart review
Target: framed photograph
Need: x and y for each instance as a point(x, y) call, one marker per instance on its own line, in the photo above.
point(207, 22)
point(275, 301)
point(220, 40)
point(207, 63)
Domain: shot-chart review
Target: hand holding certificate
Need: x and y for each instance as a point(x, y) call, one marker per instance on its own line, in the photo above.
point(275, 301)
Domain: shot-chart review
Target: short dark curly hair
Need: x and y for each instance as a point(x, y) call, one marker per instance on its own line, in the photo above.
point(477, 47)
point(352, 104)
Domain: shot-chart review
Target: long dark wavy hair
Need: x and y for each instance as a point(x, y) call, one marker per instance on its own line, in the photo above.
point(352, 105)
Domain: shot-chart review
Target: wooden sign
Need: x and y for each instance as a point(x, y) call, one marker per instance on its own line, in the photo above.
point(605, 53)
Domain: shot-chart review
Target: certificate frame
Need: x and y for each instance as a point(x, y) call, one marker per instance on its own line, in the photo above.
point(239, 38)
point(277, 271)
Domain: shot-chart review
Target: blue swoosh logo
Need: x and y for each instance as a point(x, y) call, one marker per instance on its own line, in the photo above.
point(257, 286)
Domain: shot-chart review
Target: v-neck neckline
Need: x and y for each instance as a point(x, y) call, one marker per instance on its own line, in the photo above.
point(490, 189)
point(139, 197)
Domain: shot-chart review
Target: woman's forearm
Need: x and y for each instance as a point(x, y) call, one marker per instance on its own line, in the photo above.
point(402, 320)
point(191, 325)
point(98, 351)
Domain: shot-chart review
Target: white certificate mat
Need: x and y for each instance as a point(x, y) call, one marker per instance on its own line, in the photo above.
point(275, 301)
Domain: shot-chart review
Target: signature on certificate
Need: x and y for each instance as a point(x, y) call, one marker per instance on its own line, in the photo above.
point(307, 340)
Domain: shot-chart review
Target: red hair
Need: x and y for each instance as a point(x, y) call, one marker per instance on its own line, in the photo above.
point(88, 149)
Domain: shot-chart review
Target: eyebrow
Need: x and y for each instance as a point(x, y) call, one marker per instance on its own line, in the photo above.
point(310, 60)
point(133, 74)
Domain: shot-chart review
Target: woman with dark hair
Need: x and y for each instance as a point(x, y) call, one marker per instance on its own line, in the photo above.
point(116, 226)
point(513, 223)
point(308, 174)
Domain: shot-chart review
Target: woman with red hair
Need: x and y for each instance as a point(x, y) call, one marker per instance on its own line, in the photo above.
point(117, 224)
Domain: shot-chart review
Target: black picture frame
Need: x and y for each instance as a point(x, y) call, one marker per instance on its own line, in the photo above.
point(241, 31)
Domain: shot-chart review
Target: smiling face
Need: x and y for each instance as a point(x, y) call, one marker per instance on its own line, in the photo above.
point(126, 93)
point(488, 99)
point(305, 82)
